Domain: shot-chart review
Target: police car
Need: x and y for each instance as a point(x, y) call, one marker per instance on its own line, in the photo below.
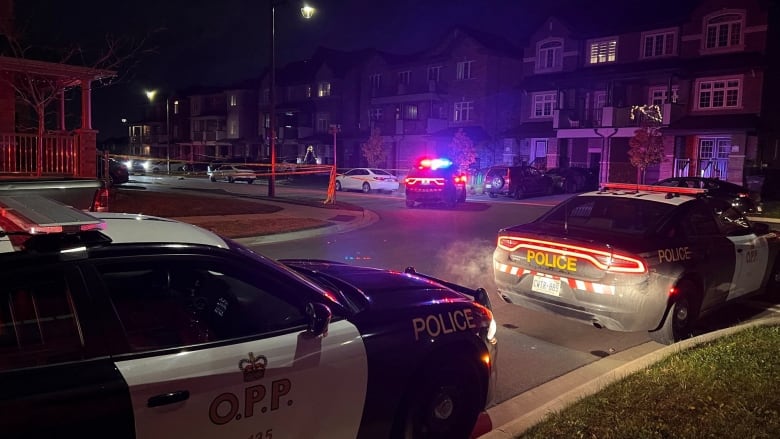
point(122, 326)
point(435, 181)
point(636, 258)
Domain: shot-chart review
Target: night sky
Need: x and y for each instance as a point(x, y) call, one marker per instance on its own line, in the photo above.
point(226, 41)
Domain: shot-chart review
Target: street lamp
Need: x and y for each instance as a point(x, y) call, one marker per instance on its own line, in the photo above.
point(306, 12)
point(151, 94)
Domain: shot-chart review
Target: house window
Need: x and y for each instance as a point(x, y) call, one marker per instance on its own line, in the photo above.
point(714, 148)
point(718, 94)
point(176, 107)
point(307, 91)
point(405, 77)
point(659, 44)
point(464, 70)
point(323, 89)
point(434, 73)
point(233, 100)
point(543, 104)
point(603, 51)
point(375, 114)
point(723, 32)
point(323, 122)
point(233, 129)
point(463, 111)
point(375, 80)
point(410, 112)
point(267, 120)
point(549, 57)
point(659, 95)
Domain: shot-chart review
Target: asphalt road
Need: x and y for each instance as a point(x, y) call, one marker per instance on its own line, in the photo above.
point(457, 245)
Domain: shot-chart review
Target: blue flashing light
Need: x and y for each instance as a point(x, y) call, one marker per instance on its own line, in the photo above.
point(435, 163)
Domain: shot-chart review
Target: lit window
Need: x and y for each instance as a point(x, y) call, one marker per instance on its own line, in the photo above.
point(659, 44)
point(463, 111)
point(308, 91)
point(233, 100)
point(724, 32)
point(233, 129)
point(434, 73)
point(549, 58)
point(543, 104)
point(405, 77)
point(410, 112)
point(375, 80)
point(603, 51)
point(175, 107)
point(718, 94)
point(464, 70)
point(323, 89)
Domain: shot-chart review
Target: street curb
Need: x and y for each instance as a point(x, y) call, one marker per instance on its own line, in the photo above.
point(361, 219)
point(520, 424)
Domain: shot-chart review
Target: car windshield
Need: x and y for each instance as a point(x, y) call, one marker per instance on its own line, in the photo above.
point(613, 215)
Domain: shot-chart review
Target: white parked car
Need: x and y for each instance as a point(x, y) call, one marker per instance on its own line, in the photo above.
point(232, 173)
point(366, 180)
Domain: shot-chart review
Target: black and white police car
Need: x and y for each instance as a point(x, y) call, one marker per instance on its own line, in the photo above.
point(634, 258)
point(122, 326)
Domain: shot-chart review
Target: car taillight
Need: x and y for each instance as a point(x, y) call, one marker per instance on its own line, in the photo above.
point(410, 181)
point(743, 195)
point(100, 202)
point(611, 261)
point(460, 179)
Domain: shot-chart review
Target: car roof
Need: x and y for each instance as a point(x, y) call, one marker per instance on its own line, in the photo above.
point(658, 196)
point(125, 228)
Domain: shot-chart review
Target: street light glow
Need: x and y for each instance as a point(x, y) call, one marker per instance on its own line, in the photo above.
point(150, 94)
point(307, 11)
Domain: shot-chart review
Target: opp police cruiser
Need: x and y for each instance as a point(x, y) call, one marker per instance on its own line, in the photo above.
point(123, 326)
point(637, 258)
point(435, 181)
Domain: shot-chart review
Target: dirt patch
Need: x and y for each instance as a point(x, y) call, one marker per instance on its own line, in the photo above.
point(183, 205)
point(243, 228)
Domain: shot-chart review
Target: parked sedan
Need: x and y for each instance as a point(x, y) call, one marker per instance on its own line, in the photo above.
point(570, 180)
point(232, 173)
point(739, 196)
point(366, 180)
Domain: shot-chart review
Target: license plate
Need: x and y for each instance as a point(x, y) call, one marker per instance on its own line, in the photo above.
point(546, 285)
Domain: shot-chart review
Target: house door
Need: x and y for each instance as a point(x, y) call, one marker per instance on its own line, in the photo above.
point(713, 157)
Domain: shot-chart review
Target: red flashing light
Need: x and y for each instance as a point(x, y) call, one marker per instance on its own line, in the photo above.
point(460, 179)
point(434, 163)
point(653, 188)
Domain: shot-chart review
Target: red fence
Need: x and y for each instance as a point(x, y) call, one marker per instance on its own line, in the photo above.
point(19, 155)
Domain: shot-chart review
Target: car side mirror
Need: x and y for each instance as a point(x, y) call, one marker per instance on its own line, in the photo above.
point(760, 228)
point(319, 316)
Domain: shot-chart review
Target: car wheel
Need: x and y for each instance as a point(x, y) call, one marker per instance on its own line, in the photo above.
point(498, 182)
point(214, 179)
point(444, 404)
point(462, 197)
point(366, 188)
point(519, 193)
point(678, 322)
point(571, 187)
point(250, 181)
point(492, 195)
point(230, 180)
point(338, 186)
point(772, 288)
point(409, 203)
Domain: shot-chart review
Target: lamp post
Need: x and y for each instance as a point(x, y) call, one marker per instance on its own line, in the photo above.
point(151, 94)
point(306, 12)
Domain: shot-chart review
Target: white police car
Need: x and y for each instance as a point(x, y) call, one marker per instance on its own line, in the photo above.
point(636, 258)
point(125, 326)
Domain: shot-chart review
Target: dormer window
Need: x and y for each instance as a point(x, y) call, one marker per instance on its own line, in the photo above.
point(660, 43)
point(724, 32)
point(549, 57)
point(603, 51)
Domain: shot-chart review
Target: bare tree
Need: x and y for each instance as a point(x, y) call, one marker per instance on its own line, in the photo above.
point(463, 150)
point(646, 146)
point(374, 149)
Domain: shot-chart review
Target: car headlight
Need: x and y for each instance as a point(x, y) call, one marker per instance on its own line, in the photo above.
point(146, 165)
point(492, 329)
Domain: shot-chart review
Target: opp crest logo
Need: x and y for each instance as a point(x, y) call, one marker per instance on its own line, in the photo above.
point(253, 367)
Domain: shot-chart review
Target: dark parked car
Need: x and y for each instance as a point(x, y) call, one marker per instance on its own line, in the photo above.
point(739, 196)
point(517, 181)
point(117, 171)
point(570, 180)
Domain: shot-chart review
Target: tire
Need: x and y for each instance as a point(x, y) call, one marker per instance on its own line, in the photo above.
point(498, 183)
point(492, 195)
point(519, 192)
point(772, 288)
point(443, 404)
point(230, 180)
point(450, 204)
point(338, 186)
point(213, 179)
point(571, 187)
point(366, 188)
point(679, 319)
point(409, 203)
point(250, 181)
point(462, 197)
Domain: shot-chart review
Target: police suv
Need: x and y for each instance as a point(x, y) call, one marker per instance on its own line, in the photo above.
point(637, 258)
point(123, 326)
point(435, 181)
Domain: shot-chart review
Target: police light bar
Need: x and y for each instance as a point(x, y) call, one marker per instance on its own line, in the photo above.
point(35, 215)
point(435, 163)
point(652, 188)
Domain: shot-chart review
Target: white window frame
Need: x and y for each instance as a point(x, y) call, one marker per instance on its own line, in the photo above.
point(323, 122)
point(176, 107)
point(549, 59)
point(465, 70)
point(233, 128)
point(307, 92)
point(602, 51)
point(539, 145)
point(434, 73)
point(543, 104)
point(463, 111)
point(657, 95)
point(375, 114)
point(405, 77)
point(732, 30)
point(714, 147)
point(718, 89)
point(662, 43)
point(411, 112)
point(233, 100)
point(323, 89)
point(375, 80)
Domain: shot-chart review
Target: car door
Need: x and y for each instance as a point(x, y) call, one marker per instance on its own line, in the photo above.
point(752, 251)
point(56, 376)
point(351, 179)
point(219, 350)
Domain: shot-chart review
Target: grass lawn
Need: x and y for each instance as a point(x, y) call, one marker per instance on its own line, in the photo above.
point(727, 388)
